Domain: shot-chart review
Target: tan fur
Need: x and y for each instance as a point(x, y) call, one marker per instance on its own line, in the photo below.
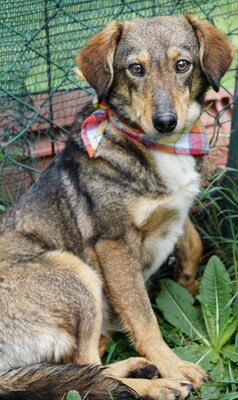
point(87, 347)
point(157, 389)
point(125, 367)
point(101, 74)
point(76, 250)
point(189, 253)
point(173, 53)
point(214, 56)
point(103, 344)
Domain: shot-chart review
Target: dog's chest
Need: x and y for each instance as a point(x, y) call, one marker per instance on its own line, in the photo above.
point(162, 219)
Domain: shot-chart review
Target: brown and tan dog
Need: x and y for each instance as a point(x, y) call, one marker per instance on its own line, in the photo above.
point(77, 248)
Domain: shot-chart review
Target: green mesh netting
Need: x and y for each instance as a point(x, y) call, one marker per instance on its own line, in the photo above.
point(39, 93)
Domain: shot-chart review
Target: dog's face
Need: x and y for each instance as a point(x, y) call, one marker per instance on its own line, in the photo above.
point(157, 75)
point(154, 71)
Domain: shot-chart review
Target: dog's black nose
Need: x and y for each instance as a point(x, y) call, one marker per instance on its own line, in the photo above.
point(165, 123)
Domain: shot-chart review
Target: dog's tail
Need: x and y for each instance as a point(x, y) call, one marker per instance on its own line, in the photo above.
point(54, 381)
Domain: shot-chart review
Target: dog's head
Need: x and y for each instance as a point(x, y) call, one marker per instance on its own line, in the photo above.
point(154, 71)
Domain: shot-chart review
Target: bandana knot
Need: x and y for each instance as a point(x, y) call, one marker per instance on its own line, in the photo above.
point(194, 141)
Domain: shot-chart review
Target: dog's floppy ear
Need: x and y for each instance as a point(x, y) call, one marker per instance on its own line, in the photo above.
point(95, 60)
point(216, 53)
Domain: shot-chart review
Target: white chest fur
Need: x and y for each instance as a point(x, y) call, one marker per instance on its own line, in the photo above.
point(182, 180)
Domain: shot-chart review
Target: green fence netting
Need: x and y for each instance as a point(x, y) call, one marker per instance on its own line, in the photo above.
point(40, 95)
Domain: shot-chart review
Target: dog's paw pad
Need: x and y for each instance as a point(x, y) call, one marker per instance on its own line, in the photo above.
point(188, 384)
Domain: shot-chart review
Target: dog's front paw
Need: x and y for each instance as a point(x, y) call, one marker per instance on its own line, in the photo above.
point(189, 372)
point(162, 389)
point(168, 389)
point(194, 374)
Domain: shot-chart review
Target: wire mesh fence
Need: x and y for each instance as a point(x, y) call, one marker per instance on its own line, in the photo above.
point(40, 95)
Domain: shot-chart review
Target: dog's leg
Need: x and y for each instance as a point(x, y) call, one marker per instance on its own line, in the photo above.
point(91, 324)
point(129, 297)
point(88, 306)
point(189, 254)
point(90, 321)
point(103, 344)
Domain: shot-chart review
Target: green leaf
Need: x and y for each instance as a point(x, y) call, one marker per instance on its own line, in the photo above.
point(198, 354)
point(229, 330)
point(209, 392)
point(215, 297)
point(231, 352)
point(73, 395)
point(111, 346)
point(118, 349)
point(176, 303)
point(228, 396)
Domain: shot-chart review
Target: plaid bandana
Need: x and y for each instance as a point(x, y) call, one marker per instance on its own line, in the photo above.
point(193, 142)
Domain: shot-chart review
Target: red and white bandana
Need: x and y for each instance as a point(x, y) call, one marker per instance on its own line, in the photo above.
point(193, 142)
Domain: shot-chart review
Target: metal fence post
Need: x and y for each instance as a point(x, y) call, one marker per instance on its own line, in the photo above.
point(231, 182)
point(233, 147)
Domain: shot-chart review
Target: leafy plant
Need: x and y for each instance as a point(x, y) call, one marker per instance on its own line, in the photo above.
point(73, 395)
point(216, 218)
point(210, 325)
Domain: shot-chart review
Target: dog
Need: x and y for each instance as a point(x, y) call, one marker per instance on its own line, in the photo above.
point(77, 248)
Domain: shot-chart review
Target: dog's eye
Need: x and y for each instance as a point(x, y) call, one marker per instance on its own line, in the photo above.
point(137, 69)
point(182, 66)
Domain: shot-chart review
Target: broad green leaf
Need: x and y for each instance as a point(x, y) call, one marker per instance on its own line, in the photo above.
point(209, 392)
point(214, 297)
point(228, 396)
point(73, 395)
point(212, 392)
point(172, 335)
point(235, 305)
point(176, 303)
point(228, 332)
point(198, 354)
point(230, 352)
